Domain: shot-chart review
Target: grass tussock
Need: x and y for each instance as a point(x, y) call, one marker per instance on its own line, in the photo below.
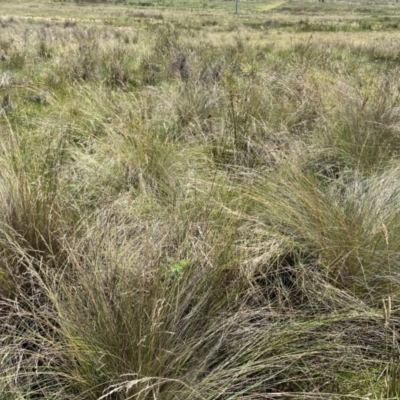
point(199, 212)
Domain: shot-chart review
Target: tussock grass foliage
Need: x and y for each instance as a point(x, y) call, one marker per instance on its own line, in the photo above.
point(198, 212)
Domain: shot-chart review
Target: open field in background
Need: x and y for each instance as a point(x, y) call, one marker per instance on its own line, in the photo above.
point(199, 205)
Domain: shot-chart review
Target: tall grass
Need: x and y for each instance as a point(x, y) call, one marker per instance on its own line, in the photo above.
point(210, 218)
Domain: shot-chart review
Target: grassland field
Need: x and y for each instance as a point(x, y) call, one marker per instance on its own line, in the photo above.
point(197, 204)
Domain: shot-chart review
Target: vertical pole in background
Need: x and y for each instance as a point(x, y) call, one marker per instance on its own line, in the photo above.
point(236, 6)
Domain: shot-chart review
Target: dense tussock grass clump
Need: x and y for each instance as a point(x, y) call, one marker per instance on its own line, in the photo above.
point(196, 218)
point(349, 228)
